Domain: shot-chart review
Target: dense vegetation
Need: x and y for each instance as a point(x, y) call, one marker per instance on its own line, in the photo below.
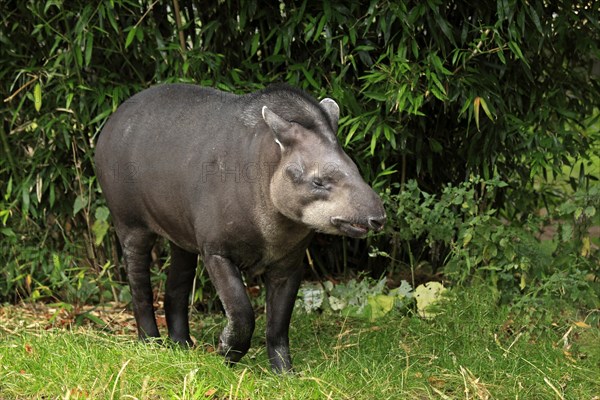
point(462, 114)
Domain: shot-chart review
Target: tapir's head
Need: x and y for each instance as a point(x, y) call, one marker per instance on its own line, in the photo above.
point(315, 182)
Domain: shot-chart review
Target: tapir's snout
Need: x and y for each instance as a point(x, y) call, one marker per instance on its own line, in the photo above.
point(366, 216)
point(358, 227)
point(377, 223)
point(372, 218)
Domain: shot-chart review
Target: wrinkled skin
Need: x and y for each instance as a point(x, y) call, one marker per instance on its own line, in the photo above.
point(242, 181)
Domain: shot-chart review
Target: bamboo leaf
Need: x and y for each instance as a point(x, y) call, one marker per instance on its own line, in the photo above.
point(486, 109)
point(476, 103)
point(130, 36)
point(374, 141)
point(255, 44)
point(319, 29)
point(37, 97)
point(309, 77)
point(89, 46)
point(536, 19)
point(514, 47)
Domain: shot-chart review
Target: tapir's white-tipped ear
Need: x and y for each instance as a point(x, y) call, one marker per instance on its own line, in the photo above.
point(280, 127)
point(333, 111)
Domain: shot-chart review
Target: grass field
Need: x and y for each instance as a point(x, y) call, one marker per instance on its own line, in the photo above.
point(474, 349)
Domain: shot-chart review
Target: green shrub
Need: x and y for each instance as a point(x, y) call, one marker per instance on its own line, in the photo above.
point(508, 254)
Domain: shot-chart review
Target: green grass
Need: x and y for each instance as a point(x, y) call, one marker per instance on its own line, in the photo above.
point(474, 349)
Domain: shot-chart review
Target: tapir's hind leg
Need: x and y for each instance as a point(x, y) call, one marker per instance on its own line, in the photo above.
point(137, 246)
point(180, 280)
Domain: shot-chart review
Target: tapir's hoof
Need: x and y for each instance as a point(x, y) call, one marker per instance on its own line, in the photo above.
point(280, 371)
point(182, 343)
point(151, 340)
point(231, 356)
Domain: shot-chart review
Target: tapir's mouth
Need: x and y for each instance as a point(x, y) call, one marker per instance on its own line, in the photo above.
point(356, 229)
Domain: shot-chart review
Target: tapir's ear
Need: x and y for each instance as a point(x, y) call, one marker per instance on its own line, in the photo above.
point(280, 127)
point(332, 110)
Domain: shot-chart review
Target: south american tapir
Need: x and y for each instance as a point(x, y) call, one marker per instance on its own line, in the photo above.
point(243, 181)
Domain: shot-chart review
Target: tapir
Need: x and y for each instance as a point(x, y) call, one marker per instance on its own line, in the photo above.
point(243, 181)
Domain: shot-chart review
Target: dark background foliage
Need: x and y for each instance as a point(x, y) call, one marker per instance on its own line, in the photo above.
point(435, 92)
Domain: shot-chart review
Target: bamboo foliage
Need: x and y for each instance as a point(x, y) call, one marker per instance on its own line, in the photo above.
point(430, 90)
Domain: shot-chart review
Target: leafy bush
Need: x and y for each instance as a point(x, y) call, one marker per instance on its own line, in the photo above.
point(509, 255)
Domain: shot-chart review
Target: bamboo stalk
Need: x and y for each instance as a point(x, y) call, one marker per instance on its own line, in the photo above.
point(179, 28)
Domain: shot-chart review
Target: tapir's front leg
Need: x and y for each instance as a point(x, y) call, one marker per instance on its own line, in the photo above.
point(282, 288)
point(235, 338)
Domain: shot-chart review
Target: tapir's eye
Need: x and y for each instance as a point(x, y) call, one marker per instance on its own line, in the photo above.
point(320, 184)
point(294, 173)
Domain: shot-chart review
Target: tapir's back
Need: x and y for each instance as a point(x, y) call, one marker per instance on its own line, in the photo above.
point(162, 114)
point(152, 149)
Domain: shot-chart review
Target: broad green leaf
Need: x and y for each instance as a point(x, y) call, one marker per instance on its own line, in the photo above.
point(102, 213)
point(467, 238)
point(566, 232)
point(100, 228)
point(490, 251)
point(337, 304)
point(590, 211)
point(312, 298)
point(380, 305)
point(80, 203)
point(427, 295)
point(404, 290)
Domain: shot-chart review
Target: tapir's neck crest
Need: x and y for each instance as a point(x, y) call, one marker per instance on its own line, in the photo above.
point(293, 105)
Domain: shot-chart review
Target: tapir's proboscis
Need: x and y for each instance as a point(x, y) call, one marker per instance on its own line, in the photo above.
point(241, 181)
